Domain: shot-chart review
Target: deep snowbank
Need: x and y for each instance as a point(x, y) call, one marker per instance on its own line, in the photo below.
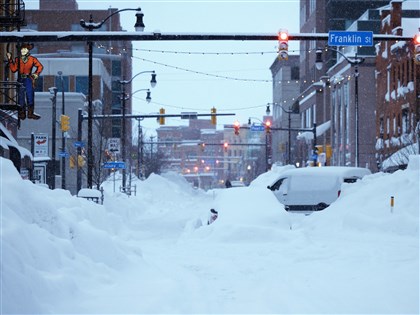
point(144, 253)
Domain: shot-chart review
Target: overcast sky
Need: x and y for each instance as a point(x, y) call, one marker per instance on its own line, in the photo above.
point(236, 83)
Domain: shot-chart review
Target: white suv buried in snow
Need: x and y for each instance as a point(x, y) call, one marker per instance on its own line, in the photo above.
point(313, 188)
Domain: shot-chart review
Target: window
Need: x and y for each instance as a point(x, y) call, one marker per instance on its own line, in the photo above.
point(295, 73)
point(64, 83)
point(116, 68)
point(405, 121)
point(312, 6)
point(82, 85)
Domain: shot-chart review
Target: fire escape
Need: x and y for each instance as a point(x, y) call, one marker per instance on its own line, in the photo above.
point(12, 17)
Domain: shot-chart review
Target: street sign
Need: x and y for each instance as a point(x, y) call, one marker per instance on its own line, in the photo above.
point(257, 128)
point(78, 144)
point(114, 165)
point(343, 38)
point(63, 154)
point(114, 145)
point(41, 145)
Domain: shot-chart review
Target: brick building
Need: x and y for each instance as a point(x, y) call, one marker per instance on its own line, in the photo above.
point(397, 88)
point(314, 99)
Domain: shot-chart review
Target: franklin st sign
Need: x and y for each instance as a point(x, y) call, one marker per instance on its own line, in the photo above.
point(342, 38)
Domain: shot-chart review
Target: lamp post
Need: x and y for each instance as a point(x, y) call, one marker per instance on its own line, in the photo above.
point(124, 97)
point(53, 91)
point(289, 120)
point(266, 138)
point(139, 148)
point(90, 26)
point(63, 135)
point(353, 61)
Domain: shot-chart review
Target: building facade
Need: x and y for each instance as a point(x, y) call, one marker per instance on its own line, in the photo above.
point(397, 88)
point(285, 110)
point(328, 95)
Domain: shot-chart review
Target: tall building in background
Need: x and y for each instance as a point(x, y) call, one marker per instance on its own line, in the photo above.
point(285, 110)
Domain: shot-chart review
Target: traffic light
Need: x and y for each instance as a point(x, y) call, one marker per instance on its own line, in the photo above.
point(417, 49)
point(80, 161)
point(213, 116)
point(236, 127)
point(202, 146)
point(65, 123)
point(161, 118)
point(267, 126)
point(225, 146)
point(72, 161)
point(283, 37)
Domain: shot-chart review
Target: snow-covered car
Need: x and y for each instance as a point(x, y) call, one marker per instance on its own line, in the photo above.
point(237, 183)
point(313, 188)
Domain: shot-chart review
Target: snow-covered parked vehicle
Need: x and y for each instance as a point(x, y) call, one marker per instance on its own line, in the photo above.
point(313, 188)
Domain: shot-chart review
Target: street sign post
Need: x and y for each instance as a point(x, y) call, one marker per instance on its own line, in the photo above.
point(63, 154)
point(257, 128)
point(78, 144)
point(120, 165)
point(114, 145)
point(343, 38)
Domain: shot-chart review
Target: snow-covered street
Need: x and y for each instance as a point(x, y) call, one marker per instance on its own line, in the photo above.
point(155, 253)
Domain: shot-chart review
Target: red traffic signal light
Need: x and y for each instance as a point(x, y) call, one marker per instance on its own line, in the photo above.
point(236, 127)
point(268, 126)
point(283, 37)
point(416, 41)
point(225, 146)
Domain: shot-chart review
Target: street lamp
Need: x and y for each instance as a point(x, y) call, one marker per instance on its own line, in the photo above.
point(63, 135)
point(289, 120)
point(53, 91)
point(124, 97)
point(90, 26)
point(266, 139)
point(354, 61)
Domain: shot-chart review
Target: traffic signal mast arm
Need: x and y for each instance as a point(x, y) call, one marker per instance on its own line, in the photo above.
point(275, 128)
point(182, 115)
point(76, 36)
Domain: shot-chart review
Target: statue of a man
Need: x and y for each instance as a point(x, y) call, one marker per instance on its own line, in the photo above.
point(25, 65)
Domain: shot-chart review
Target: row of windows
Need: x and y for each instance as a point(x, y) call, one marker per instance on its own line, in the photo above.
point(81, 84)
point(401, 124)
